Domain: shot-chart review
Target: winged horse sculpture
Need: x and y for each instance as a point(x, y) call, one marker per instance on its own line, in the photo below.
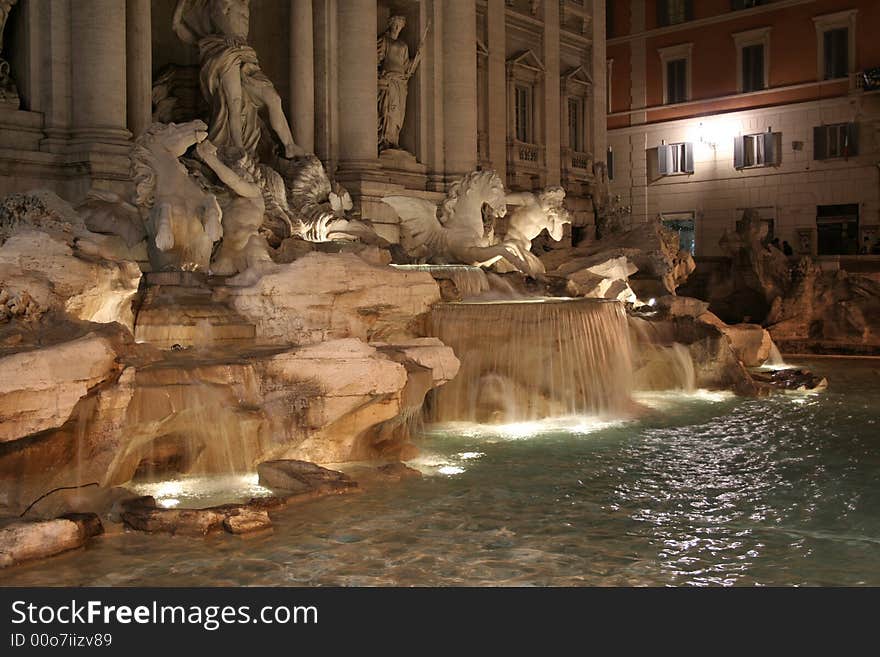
point(463, 232)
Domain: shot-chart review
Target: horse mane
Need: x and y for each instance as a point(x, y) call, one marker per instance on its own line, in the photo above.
point(464, 186)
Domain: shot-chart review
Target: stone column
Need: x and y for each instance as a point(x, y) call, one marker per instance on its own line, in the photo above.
point(497, 85)
point(599, 72)
point(97, 29)
point(302, 74)
point(460, 87)
point(139, 64)
point(552, 116)
point(358, 121)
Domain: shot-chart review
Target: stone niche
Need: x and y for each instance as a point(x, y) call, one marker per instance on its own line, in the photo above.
point(404, 167)
point(269, 33)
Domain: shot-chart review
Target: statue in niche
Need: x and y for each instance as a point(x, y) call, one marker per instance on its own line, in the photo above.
point(8, 91)
point(231, 78)
point(395, 70)
point(460, 235)
point(182, 221)
point(534, 213)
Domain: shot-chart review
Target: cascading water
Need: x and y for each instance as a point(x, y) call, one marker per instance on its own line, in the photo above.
point(660, 363)
point(774, 360)
point(470, 281)
point(529, 360)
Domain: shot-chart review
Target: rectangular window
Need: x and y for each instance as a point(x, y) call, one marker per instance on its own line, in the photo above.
point(609, 19)
point(833, 141)
point(736, 5)
point(676, 81)
point(576, 124)
point(760, 150)
point(837, 229)
point(673, 159)
point(753, 68)
point(836, 53)
point(523, 114)
point(673, 12)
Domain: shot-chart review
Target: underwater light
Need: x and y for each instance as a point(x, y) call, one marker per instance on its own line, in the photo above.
point(450, 470)
point(169, 502)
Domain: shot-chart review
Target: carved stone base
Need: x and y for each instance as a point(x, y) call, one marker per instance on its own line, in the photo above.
point(182, 311)
point(402, 168)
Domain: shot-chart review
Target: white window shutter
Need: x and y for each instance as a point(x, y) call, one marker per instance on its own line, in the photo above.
point(663, 159)
point(689, 157)
point(738, 155)
point(852, 136)
point(769, 148)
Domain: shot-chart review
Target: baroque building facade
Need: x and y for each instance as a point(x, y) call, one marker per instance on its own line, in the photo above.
point(720, 106)
point(513, 85)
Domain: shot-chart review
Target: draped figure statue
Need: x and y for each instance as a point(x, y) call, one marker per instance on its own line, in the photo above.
point(395, 70)
point(231, 78)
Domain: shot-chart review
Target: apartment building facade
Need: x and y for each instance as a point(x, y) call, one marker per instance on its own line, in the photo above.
point(718, 106)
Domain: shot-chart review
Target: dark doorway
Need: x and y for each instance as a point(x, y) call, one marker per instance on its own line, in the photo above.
point(837, 229)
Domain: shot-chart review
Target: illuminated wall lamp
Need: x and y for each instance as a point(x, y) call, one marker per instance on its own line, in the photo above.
point(704, 137)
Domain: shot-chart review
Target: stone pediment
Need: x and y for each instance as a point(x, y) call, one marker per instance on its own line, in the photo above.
point(577, 76)
point(526, 59)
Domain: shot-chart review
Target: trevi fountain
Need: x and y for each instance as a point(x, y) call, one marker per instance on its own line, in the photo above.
point(222, 373)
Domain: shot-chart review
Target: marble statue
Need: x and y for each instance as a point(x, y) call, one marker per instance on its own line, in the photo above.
point(459, 235)
point(182, 220)
point(231, 78)
point(534, 213)
point(242, 246)
point(395, 70)
point(8, 91)
point(320, 207)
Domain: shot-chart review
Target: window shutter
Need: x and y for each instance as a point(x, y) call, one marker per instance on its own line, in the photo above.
point(852, 134)
point(820, 147)
point(689, 157)
point(769, 148)
point(738, 156)
point(689, 10)
point(663, 160)
point(662, 13)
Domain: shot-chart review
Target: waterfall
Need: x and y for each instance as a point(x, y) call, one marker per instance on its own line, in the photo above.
point(660, 363)
point(529, 360)
point(774, 360)
point(470, 281)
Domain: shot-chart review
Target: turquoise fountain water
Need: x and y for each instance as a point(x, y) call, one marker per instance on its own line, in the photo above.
point(709, 489)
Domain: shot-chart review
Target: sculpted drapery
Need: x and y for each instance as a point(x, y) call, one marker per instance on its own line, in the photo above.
point(231, 78)
point(395, 70)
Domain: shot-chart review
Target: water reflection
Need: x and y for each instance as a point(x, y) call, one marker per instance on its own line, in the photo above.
point(704, 491)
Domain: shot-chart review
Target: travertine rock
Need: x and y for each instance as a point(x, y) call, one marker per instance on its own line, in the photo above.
point(676, 306)
point(822, 311)
point(322, 297)
point(296, 476)
point(606, 268)
point(40, 388)
point(56, 277)
point(247, 521)
point(23, 541)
